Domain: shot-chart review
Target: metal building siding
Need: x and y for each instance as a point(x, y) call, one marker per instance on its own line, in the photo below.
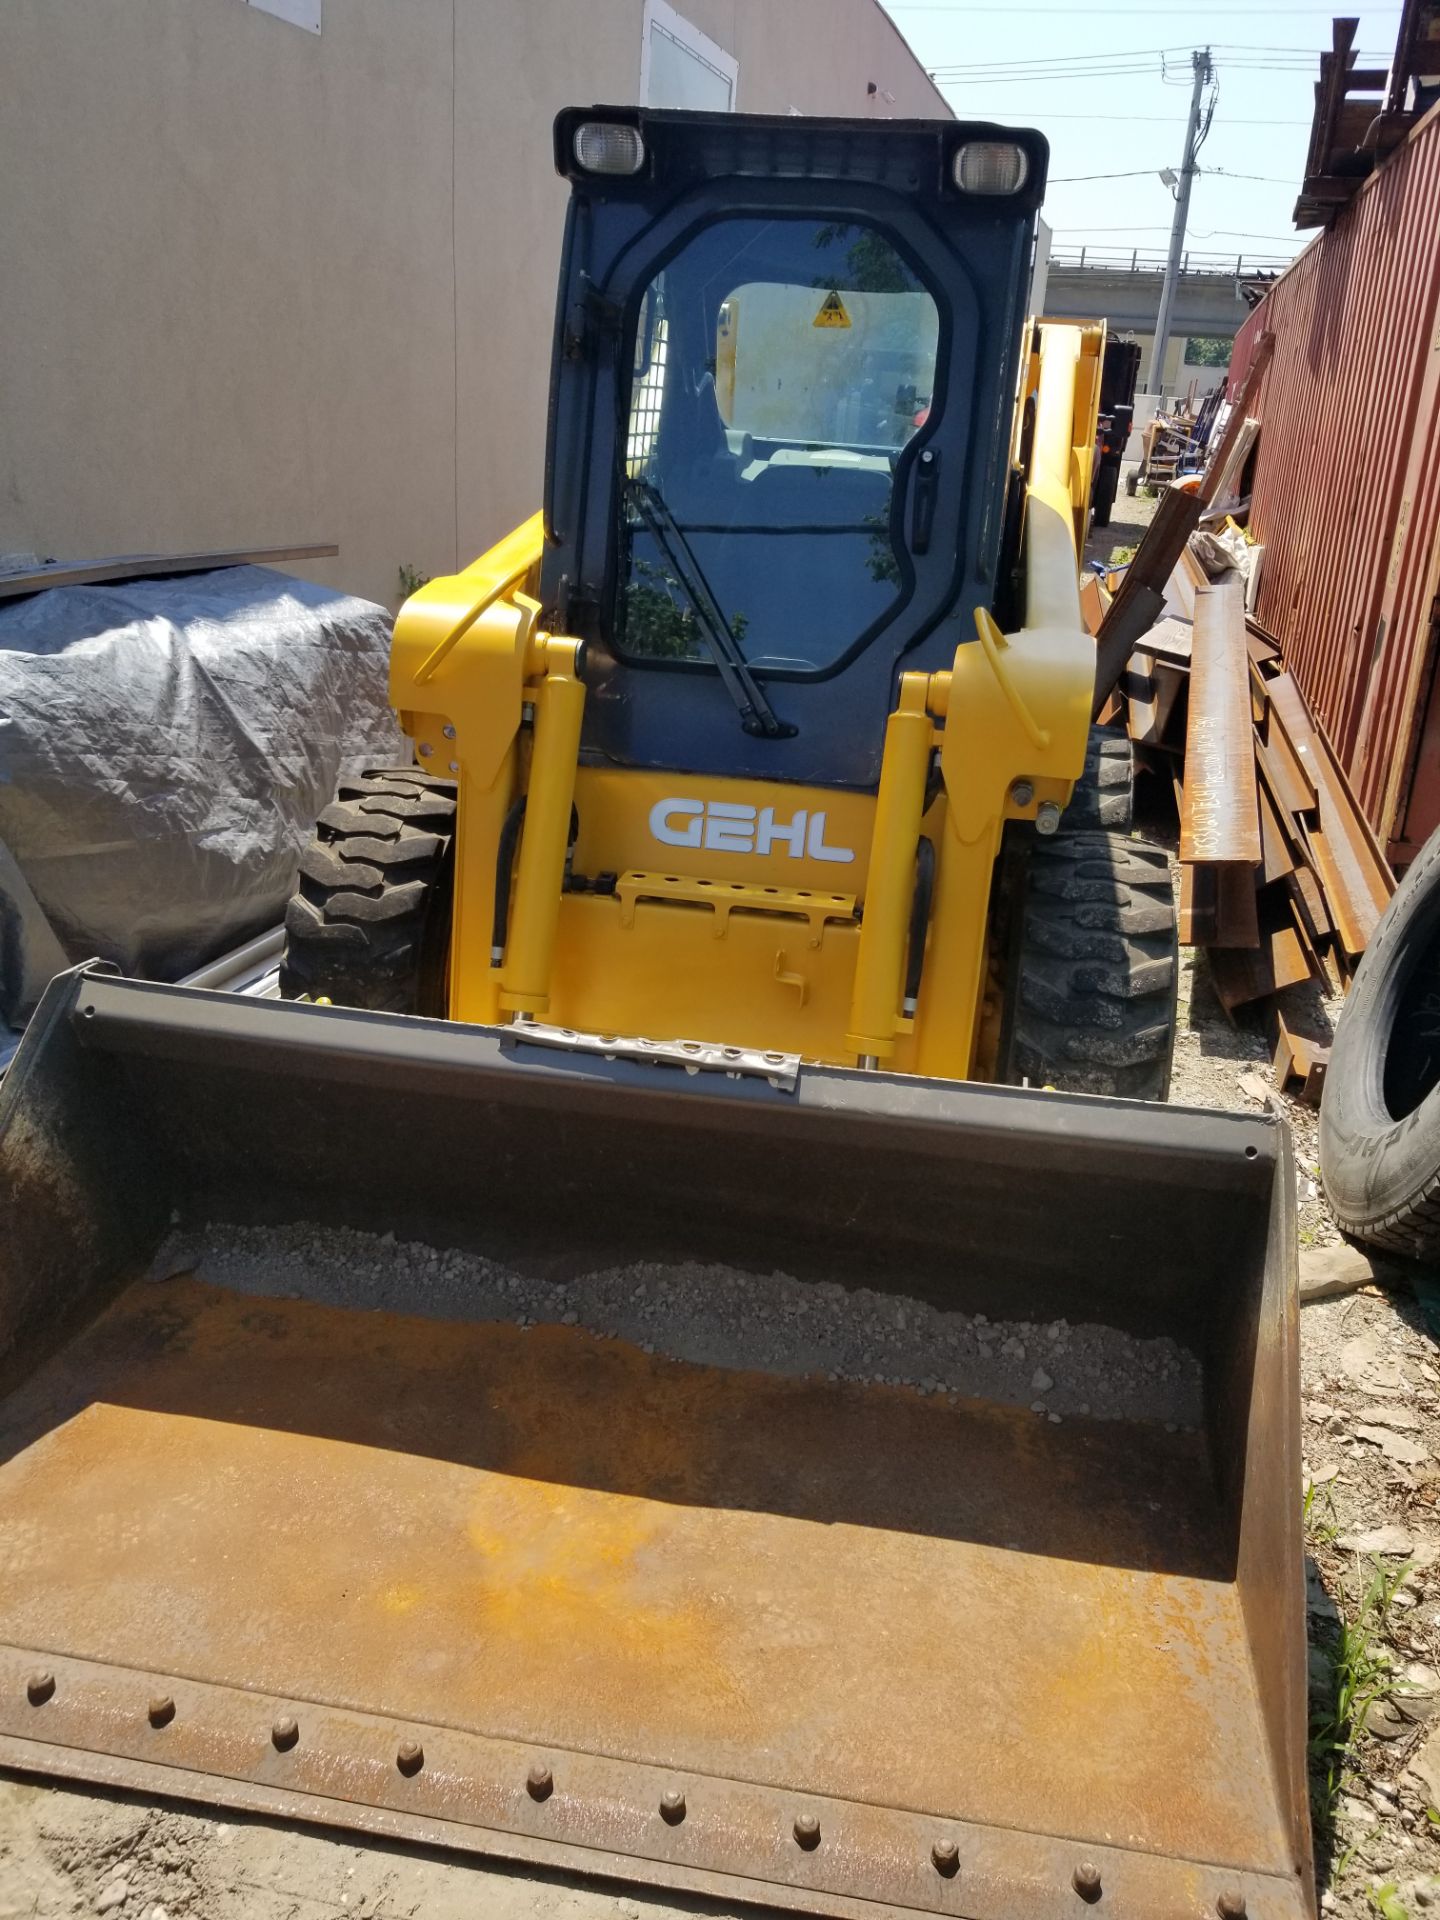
point(1347, 482)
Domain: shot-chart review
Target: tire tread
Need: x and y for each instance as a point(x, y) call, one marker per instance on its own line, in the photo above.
point(374, 872)
point(1098, 968)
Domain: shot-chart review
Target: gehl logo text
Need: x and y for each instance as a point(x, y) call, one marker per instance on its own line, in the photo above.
point(726, 826)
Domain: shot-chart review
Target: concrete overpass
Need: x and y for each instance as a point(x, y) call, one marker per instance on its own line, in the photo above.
point(1123, 287)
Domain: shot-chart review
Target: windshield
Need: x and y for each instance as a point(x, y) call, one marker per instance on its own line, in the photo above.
point(780, 367)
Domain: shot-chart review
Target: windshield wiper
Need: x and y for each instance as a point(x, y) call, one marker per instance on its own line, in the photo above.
point(755, 711)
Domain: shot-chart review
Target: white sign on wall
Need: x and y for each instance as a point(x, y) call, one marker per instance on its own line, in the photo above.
point(299, 13)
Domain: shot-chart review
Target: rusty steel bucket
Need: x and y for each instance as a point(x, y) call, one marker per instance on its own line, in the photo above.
point(838, 1648)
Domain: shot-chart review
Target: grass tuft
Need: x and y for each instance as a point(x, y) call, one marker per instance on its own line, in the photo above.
point(1359, 1676)
point(1385, 1899)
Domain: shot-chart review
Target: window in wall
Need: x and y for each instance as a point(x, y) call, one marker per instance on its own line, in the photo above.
point(1207, 350)
point(682, 67)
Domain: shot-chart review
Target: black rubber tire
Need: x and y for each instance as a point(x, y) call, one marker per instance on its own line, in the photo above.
point(1093, 1000)
point(1380, 1115)
point(1104, 794)
point(369, 922)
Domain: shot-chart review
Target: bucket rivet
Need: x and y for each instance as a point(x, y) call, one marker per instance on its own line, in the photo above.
point(672, 1806)
point(1086, 1880)
point(162, 1710)
point(285, 1732)
point(1231, 1905)
point(409, 1756)
point(946, 1856)
point(39, 1687)
point(807, 1830)
point(539, 1782)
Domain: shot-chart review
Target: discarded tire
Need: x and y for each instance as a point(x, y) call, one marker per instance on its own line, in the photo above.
point(369, 922)
point(1380, 1117)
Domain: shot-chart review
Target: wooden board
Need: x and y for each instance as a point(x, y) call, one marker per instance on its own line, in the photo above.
point(1234, 429)
point(153, 566)
point(1141, 593)
point(1092, 602)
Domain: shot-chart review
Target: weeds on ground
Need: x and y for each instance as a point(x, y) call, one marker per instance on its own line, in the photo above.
point(1322, 1523)
point(1359, 1676)
point(411, 581)
point(1386, 1901)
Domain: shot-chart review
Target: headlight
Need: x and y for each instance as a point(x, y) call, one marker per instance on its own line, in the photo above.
point(602, 146)
point(990, 166)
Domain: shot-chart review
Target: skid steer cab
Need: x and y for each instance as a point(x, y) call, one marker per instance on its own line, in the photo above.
point(769, 735)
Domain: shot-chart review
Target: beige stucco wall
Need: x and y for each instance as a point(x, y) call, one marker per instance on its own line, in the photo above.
point(267, 288)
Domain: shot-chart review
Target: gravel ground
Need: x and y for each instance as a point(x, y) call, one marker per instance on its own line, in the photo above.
point(1371, 1388)
point(718, 1316)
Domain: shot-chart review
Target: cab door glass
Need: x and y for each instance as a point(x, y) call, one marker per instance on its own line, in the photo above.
point(779, 370)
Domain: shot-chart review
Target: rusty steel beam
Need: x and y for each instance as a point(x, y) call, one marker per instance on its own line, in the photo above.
point(1220, 820)
point(1357, 881)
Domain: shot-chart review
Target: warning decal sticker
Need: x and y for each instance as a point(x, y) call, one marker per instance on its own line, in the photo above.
point(832, 312)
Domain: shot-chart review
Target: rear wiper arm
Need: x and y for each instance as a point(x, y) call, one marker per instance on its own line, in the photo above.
point(756, 713)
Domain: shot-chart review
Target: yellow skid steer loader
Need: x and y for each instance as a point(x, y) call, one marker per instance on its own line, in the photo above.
point(754, 840)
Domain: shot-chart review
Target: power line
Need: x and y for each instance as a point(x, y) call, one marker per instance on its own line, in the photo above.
point(1211, 233)
point(1133, 173)
point(1145, 173)
point(1235, 233)
point(1178, 47)
point(1302, 62)
point(1166, 119)
point(1237, 52)
point(966, 77)
point(961, 72)
point(1265, 179)
point(1125, 13)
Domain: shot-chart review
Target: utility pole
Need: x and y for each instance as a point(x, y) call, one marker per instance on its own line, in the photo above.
point(1203, 70)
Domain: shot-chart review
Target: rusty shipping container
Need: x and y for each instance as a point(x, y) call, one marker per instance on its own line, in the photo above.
point(1347, 484)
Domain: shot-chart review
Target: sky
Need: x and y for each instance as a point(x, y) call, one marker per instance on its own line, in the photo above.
point(1110, 84)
